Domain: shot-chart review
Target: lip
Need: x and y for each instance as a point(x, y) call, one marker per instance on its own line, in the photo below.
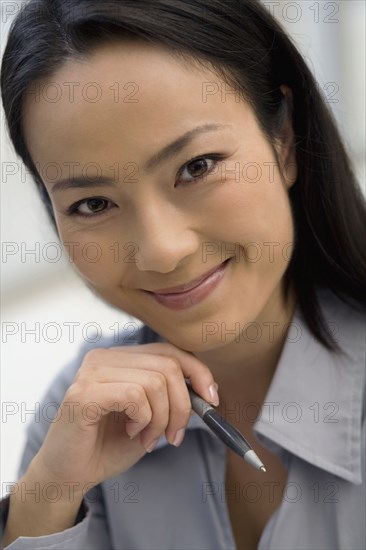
point(189, 286)
point(188, 298)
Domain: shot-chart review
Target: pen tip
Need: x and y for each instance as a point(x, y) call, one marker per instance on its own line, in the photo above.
point(263, 469)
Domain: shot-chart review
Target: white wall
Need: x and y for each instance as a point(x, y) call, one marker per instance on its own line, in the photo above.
point(331, 37)
point(37, 290)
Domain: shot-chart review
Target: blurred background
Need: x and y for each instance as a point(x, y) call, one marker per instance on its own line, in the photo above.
point(46, 311)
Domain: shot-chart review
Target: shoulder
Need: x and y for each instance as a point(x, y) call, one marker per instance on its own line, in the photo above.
point(347, 323)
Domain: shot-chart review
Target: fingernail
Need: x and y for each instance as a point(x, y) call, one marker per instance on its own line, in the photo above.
point(152, 445)
point(133, 431)
point(179, 437)
point(214, 394)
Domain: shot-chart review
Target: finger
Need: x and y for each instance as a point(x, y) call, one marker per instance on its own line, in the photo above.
point(104, 398)
point(155, 387)
point(164, 384)
point(194, 369)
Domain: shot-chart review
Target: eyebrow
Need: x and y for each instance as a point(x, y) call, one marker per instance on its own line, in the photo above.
point(179, 143)
point(166, 153)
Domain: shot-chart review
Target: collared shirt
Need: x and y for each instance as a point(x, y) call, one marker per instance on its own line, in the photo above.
point(174, 498)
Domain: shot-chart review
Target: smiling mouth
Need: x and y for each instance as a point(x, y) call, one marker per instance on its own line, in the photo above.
point(189, 286)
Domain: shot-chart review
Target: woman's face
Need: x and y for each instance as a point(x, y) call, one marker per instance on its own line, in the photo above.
point(154, 219)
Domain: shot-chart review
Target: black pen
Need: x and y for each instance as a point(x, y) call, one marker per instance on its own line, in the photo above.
point(224, 431)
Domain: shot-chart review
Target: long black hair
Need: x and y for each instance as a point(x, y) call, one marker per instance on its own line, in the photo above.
point(250, 50)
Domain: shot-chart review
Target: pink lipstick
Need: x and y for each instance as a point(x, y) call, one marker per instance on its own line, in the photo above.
point(198, 290)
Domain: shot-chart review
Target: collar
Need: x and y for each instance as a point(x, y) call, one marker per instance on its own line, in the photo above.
point(313, 407)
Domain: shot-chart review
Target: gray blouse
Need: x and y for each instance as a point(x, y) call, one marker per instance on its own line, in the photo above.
point(174, 498)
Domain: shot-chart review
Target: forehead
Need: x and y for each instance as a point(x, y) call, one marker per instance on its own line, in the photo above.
point(121, 94)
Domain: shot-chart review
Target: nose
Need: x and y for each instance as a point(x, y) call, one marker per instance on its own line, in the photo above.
point(164, 238)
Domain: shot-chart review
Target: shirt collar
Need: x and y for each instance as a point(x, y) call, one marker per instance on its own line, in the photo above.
point(313, 407)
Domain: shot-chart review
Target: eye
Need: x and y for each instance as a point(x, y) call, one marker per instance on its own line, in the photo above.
point(89, 207)
point(198, 168)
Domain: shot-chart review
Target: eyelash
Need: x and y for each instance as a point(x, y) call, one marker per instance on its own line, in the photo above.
point(215, 157)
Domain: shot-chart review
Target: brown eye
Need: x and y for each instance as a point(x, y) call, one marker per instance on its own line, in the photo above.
point(197, 168)
point(89, 208)
point(93, 206)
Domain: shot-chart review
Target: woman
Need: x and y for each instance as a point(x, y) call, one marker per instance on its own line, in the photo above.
point(189, 143)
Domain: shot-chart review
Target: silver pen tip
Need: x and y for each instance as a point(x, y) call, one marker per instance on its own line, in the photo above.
point(263, 469)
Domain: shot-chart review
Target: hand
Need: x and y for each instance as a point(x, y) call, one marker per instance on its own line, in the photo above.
point(120, 402)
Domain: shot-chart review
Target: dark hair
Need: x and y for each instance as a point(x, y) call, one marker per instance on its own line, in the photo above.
point(244, 44)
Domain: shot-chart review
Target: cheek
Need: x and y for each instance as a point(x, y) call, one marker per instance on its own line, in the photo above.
point(250, 212)
point(96, 260)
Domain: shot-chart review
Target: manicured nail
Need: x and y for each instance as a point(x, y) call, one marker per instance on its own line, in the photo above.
point(214, 394)
point(179, 437)
point(152, 445)
point(133, 431)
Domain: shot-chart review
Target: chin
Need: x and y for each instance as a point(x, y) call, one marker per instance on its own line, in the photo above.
point(196, 343)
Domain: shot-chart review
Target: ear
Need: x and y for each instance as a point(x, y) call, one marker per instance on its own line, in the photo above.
point(285, 145)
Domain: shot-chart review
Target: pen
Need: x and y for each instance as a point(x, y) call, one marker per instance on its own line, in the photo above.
point(224, 431)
